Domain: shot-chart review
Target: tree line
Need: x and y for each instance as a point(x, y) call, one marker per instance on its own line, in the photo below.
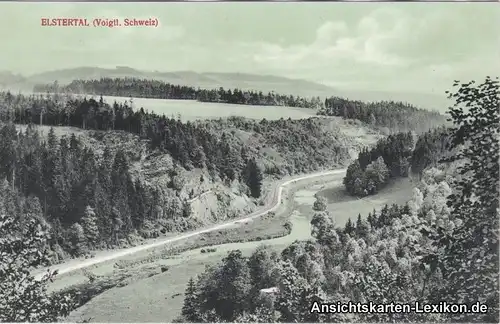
point(145, 88)
point(89, 200)
point(430, 149)
point(441, 246)
point(396, 116)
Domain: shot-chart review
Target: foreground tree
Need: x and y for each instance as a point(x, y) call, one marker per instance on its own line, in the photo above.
point(22, 297)
point(469, 261)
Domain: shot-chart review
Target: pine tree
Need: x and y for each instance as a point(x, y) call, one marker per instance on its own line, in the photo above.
point(116, 224)
point(78, 239)
point(186, 209)
point(323, 229)
point(254, 178)
point(191, 305)
point(354, 172)
point(90, 228)
point(362, 227)
point(470, 258)
point(291, 287)
point(349, 227)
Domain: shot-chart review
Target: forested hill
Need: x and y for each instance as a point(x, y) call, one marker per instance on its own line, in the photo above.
point(191, 144)
point(144, 88)
point(396, 116)
point(106, 188)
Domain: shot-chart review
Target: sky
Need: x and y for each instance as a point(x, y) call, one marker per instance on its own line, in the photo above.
point(420, 47)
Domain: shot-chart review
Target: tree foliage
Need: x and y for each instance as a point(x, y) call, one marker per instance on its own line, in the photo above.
point(22, 297)
point(469, 259)
point(197, 144)
point(396, 116)
point(253, 178)
point(373, 168)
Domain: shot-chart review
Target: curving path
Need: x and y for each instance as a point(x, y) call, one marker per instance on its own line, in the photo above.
point(273, 201)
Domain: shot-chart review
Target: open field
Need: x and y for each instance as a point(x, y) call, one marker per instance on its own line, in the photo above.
point(192, 109)
point(159, 297)
point(195, 110)
point(342, 206)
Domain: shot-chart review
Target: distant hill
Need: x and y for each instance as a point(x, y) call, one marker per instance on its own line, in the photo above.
point(243, 81)
point(9, 79)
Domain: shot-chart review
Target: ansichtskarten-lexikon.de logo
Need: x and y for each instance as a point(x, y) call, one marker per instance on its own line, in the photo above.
point(417, 307)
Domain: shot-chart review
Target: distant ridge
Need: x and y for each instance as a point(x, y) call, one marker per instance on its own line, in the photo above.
point(210, 80)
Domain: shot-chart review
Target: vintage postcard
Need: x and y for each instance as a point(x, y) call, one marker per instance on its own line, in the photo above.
point(249, 162)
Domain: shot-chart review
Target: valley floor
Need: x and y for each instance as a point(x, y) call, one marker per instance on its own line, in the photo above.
point(157, 296)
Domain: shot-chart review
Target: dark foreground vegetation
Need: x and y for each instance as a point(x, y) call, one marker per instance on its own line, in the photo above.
point(393, 116)
point(441, 246)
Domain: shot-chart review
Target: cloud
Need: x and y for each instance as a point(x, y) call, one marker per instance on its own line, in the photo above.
point(388, 46)
point(334, 43)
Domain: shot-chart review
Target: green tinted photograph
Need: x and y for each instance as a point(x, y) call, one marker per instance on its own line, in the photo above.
point(249, 162)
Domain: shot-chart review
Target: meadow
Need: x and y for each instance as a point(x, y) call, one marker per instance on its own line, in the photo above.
point(193, 110)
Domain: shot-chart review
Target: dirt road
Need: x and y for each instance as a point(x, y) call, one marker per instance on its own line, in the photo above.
point(273, 201)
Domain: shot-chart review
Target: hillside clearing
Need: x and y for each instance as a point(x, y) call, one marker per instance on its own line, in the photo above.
point(342, 206)
point(190, 110)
